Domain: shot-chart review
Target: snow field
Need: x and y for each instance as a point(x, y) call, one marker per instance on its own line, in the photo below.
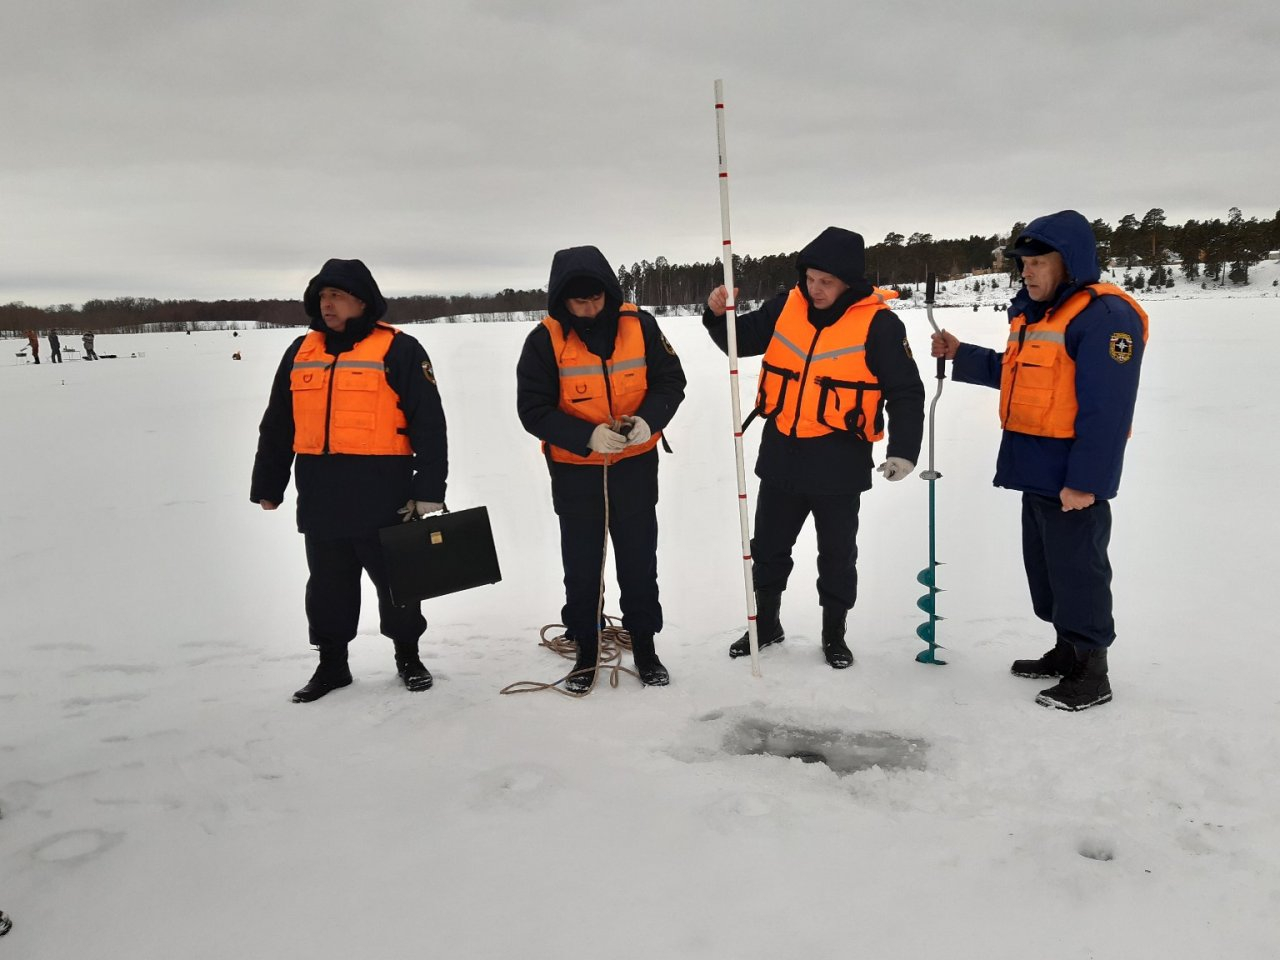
point(161, 797)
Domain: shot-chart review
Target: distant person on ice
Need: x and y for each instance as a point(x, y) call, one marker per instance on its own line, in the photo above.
point(836, 360)
point(597, 382)
point(87, 340)
point(355, 403)
point(55, 347)
point(1068, 381)
point(33, 341)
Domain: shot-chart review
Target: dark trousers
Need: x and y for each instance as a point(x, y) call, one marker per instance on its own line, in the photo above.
point(1065, 554)
point(55, 355)
point(633, 532)
point(780, 514)
point(333, 594)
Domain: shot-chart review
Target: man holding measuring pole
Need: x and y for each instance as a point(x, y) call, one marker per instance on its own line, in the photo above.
point(836, 360)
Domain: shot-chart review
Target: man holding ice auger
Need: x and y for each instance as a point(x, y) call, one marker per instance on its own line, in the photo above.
point(1068, 381)
point(836, 360)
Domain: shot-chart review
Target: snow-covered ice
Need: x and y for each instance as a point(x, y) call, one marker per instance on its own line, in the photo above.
point(162, 798)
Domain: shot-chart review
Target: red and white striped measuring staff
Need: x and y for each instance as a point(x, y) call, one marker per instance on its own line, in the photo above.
point(731, 327)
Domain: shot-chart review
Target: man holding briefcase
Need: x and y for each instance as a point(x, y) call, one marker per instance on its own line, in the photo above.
point(355, 402)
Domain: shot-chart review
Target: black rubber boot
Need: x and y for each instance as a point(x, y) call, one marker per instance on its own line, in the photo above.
point(833, 646)
point(409, 666)
point(768, 626)
point(1085, 684)
point(330, 675)
point(1055, 663)
point(652, 672)
point(415, 675)
point(584, 668)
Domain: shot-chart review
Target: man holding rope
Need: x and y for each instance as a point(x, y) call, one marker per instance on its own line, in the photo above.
point(836, 360)
point(597, 382)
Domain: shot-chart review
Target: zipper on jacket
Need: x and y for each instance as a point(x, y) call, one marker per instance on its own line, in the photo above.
point(804, 376)
point(608, 388)
point(1013, 377)
point(328, 402)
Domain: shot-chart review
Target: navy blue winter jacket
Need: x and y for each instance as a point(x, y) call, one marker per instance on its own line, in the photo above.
point(349, 495)
point(1106, 390)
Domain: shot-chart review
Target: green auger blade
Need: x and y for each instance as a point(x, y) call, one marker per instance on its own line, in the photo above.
point(925, 632)
point(926, 604)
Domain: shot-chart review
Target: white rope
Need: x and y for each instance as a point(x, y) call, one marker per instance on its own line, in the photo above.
point(611, 638)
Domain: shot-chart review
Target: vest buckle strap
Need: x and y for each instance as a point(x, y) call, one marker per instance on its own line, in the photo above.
point(762, 393)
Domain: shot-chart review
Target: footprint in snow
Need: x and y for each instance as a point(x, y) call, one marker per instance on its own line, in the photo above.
point(515, 784)
point(75, 846)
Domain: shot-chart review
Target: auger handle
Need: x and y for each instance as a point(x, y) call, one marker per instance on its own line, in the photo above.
point(930, 290)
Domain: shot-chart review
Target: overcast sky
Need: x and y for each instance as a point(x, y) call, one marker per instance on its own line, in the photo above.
point(226, 148)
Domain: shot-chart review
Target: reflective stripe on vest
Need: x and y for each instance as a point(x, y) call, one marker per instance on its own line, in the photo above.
point(601, 391)
point(1038, 377)
point(814, 381)
point(344, 404)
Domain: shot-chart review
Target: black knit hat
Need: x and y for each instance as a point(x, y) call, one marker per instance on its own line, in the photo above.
point(582, 287)
point(838, 252)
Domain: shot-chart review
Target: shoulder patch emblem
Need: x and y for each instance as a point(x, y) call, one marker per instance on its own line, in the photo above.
point(907, 347)
point(1121, 348)
point(667, 343)
point(428, 372)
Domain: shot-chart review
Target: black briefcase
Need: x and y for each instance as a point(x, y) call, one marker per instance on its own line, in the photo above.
point(440, 554)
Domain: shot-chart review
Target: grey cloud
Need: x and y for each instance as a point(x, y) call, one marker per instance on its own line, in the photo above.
point(182, 149)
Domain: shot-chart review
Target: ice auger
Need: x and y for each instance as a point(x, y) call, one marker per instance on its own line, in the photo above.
point(928, 576)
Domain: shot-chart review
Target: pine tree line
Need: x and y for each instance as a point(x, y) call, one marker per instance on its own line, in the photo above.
point(1215, 250)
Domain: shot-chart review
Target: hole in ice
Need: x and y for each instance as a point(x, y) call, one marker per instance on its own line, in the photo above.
point(1097, 850)
point(844, 751)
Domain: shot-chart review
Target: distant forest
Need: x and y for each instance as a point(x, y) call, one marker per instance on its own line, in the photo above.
point(1212, 251)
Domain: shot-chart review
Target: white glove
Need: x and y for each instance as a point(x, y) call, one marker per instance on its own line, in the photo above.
point(639, 433)
point(604, 439)
point(895, 468)
point(415, 509)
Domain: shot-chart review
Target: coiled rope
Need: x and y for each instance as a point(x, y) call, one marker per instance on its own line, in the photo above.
point(611, 638)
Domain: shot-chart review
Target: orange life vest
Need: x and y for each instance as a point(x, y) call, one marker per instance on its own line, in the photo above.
point(813, 381)
point(1038, 378)
point(601, 391)
point(344, 404)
